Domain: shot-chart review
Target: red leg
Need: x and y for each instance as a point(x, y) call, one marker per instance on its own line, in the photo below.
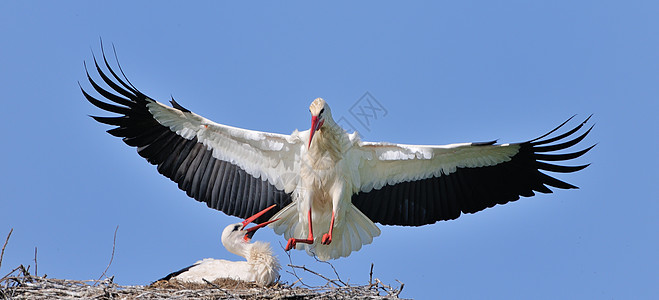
point(293, 241)
point(327, 238)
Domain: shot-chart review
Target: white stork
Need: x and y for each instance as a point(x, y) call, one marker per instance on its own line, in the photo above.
point(261, 266)
point(331, 186)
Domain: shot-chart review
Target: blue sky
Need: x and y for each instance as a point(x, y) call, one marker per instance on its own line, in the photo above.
point(446, 72)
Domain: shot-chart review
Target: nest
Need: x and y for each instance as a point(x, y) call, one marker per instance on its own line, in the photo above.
point(20, 284)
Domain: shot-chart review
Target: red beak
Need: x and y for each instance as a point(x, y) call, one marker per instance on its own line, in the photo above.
point(252, 230)
point(315, 125)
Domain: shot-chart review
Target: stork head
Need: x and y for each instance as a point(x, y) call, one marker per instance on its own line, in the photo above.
point(320, 112)
point(236, 235)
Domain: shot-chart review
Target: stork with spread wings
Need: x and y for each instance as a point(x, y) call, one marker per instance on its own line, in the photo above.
point(330, 187)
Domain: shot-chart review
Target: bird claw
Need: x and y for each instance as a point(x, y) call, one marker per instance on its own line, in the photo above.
point(327, 239)
point(291, 244)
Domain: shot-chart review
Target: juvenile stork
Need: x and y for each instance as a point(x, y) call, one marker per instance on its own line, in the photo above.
point(330, 186)
point(261, 266)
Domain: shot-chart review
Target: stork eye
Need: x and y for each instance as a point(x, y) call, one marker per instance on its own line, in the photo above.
point(321, 111)
point(236, 227)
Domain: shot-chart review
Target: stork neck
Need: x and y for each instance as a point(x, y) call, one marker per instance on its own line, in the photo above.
point(238, 247)
point(327, 140)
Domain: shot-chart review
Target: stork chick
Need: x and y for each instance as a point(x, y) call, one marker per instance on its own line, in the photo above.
point(261, 267)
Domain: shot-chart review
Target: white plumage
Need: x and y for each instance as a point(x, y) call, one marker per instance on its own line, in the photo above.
point(331, 187)
point(260, 266)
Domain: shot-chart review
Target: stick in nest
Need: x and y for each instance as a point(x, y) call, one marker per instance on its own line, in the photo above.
point(290, 260)
point(114, 242)
point(36, 265)
point(338, 278)
point(338, 283)
point(370, 276)
point(219, 288)
point(5, 245)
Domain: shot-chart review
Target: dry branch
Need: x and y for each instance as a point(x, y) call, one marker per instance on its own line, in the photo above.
point(339, 286)
point(2, 254)
point(114, 242)
point(370, 275)
point(36, 265)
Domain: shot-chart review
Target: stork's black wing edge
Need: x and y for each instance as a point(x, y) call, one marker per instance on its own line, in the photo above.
point(469, 190)
point(220, 184)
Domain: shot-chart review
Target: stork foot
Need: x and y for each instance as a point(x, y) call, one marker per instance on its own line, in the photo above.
point(292, 242)
point(327, 239)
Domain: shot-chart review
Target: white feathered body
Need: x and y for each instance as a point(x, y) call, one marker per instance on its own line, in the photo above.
point(261, 267)
point(329, 176)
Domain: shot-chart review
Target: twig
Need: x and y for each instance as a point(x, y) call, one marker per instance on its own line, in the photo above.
point(219, 288)
point(5, 245)
point(35, 262)
point(388, 289)
point(12, 271)
point(114, 242)
point(298, 280)
point(384, 287)
point(338, 285)
point(304, 268)
point(401, 287)
point(333, 268)
point(290, 260)
point(370, 276)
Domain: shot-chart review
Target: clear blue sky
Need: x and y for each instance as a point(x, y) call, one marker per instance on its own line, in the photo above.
point(446, 72)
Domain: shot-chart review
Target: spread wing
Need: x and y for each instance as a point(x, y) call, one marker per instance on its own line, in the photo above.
point(237, 171)
point(416, 185)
